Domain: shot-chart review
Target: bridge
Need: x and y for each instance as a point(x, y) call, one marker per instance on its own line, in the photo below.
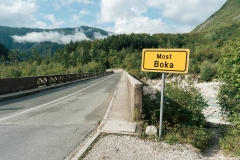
point(52, 117)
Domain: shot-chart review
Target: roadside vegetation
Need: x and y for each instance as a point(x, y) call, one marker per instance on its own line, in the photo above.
point(229, 96)
point(183, 120)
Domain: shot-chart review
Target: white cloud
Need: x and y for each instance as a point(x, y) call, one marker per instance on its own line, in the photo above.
point(24, 13)
point(61, 3)
point(188, 12)
point(38, 37)
point(49, 17)
point(131, 16)
point(84, 12)
point(145, 25)
point(138, 25)
point(156, 3)
point(76, 1)
point(98, 35)
point(128, 17)
point(76, 17)
point(120, 9)
point(40, 24)
point(17, 12)
point(55, 23)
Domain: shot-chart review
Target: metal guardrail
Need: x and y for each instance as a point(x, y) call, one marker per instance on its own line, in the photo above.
point(56, 79)
point(10, 85)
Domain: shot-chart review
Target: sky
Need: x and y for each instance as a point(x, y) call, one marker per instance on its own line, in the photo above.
point(117, 16)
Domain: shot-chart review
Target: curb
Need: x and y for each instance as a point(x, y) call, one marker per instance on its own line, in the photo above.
point(85, 147)
point(94, 137)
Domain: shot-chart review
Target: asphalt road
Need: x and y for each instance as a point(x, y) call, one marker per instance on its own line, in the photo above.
point(49, 125)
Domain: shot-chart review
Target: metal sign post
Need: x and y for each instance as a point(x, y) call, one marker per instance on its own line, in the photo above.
point(161, 105)
point(165, 61)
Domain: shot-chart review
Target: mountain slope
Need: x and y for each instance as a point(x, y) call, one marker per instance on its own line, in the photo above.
point(228, 14)
point(23, 39)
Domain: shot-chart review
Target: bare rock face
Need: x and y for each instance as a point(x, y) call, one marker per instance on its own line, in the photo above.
point(151, 131)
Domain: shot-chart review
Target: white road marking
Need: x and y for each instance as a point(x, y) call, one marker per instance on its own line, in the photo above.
point(53, 101)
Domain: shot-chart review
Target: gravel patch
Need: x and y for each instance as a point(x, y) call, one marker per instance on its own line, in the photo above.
point(209, 89)
point(113, 147)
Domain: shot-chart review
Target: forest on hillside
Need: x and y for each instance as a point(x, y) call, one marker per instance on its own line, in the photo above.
point(121, 51)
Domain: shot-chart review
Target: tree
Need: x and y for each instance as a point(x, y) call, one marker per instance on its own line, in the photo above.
point(2, 59)
point(208, 70)
point(93, 51)
point(36, 56)
point(57, 57)
point(70, 47)
point(229, 72)
point(13, 56)
point(229, 96)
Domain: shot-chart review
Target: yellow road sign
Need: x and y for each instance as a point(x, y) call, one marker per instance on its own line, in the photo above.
point(165, 60)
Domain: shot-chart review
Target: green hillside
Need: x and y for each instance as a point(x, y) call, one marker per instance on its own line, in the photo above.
point(228, 14)
point(6, 39)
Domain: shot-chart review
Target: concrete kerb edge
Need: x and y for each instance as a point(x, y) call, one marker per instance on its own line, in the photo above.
point(94, 137)
point(125, 133)
point(38, 90)
point(86, 146)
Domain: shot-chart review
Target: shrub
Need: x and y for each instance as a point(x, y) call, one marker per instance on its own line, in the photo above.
point(183, 120)
point(229, 72)
point(134, 72)
point(10, 71)
point(93, 67)
point(229, 96)
point(181, 105)
point(194, 66)
point(184, 105)
point(208, 70)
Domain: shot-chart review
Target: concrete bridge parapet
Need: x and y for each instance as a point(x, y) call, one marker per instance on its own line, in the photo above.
point(135, 88)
